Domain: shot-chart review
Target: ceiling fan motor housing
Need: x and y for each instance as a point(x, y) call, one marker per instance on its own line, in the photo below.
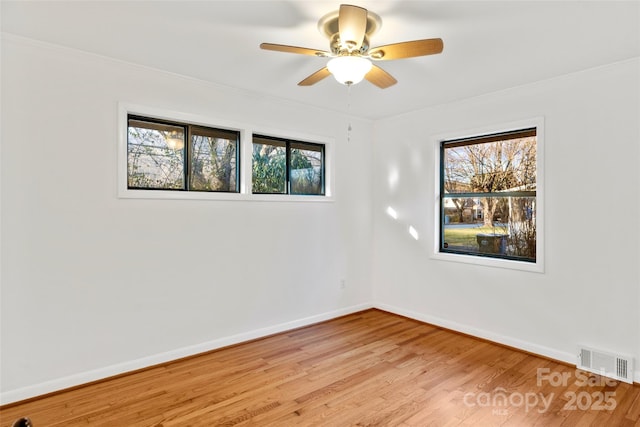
point(339, 48)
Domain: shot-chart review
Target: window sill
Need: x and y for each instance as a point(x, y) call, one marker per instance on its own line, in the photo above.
point(534, 267)
point(243, 197)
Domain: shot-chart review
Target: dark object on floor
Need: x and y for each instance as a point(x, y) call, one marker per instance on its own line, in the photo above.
point(22, 422)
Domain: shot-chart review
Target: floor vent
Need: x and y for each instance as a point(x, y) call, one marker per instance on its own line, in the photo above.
point(606, 364)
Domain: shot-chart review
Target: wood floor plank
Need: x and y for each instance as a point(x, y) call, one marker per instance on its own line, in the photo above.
point(368, 369)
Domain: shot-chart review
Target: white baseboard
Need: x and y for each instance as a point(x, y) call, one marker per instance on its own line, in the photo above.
point(109, 371)
point(551, 353)
point(58, 384)
point(481, 333)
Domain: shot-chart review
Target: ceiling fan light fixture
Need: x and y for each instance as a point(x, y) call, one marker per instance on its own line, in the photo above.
point(349, 70)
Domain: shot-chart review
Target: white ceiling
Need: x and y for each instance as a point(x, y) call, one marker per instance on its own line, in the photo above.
point(488, 45)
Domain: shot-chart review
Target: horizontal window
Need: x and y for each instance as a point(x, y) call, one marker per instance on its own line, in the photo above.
point(281, 166)
point(164, 155)
point(173, 155)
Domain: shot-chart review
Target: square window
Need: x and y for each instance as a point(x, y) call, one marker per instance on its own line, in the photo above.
point(269, 166)
point(155, 158)
point(307, 169)
point(213, 160)
point(488, 196)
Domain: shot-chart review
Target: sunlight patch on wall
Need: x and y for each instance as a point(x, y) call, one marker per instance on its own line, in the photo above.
point(392, 212)
point(393, 178)
point(413, 232)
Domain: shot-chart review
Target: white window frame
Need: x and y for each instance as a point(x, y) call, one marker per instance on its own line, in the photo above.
point(538, 265)
point(245, 171)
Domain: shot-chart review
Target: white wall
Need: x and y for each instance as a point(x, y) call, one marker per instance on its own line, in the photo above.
point(93, 285)
point(589, 292)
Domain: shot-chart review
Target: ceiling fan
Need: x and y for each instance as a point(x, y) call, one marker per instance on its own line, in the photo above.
point(349, 30)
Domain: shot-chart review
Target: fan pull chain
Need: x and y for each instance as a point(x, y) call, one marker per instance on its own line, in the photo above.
point(349, 111)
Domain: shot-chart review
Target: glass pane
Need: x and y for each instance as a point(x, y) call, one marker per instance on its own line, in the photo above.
point(306, 166)
point(269, 167)
point(155, 155)
point(492, 226)
point(508, 165)
point(213, 162)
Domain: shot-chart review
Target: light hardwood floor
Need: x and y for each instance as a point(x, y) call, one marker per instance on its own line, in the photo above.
point(366, 369)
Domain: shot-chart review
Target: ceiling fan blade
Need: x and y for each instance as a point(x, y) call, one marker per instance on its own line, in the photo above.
point(352, 25)
point(294, 49)
point(380, 77)
point(407, 49)
point(315, 77)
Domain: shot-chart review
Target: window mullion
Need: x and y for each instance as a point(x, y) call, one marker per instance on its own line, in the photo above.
point(287, 174)
point(187, 158)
